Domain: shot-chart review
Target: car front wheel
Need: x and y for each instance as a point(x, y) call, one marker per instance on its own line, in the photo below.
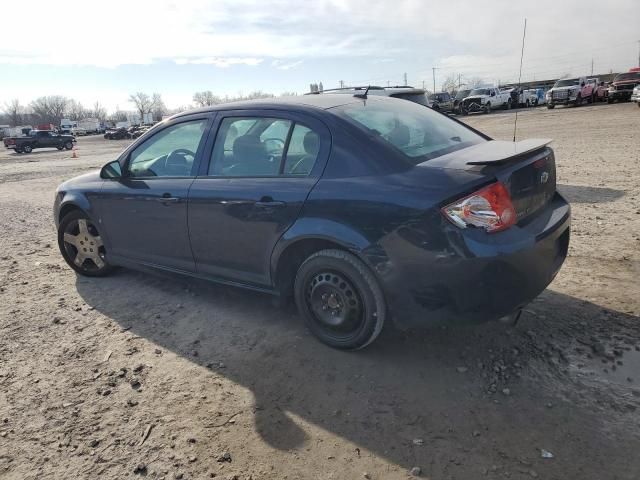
point(27, 149)
point(81, 245)
point(68, 145)
point(340, 299)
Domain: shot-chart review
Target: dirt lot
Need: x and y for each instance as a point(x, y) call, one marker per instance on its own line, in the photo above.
point(140, 375)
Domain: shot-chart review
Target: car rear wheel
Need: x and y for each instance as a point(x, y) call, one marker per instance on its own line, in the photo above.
point(340, 299)
point(81, 245)
point(487, 108)
point(27, 149)
point(68, 145)
point(550, 106)
point(60, 148)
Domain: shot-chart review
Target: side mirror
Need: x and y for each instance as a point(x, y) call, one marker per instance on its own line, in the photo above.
point(582, 84)
point(111, 170)
point(493, 94)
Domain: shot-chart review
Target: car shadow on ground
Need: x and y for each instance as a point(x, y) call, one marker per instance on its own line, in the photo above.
point(429, 385)
point(585, 194)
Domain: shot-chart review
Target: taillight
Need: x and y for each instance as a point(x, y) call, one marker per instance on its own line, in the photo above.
point(489, 208)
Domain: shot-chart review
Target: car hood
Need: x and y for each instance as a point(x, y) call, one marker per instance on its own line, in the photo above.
point(570, 87)
point(81, 180)
point(626, 82)
point(471, 97)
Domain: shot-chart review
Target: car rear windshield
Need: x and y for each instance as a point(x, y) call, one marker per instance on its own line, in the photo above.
point(418, 132)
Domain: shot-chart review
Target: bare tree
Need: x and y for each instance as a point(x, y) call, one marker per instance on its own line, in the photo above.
point(50, 109)
point(118, 116)
point(143, 103)
point(158, 109)
point(99, 111)
point(450, 84)
point(474, 82)
point(288, 94)
point(14, 111)
point(75, 110)
point(206, 99)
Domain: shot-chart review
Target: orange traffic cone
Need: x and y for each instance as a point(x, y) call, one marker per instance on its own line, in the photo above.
point(74, 153)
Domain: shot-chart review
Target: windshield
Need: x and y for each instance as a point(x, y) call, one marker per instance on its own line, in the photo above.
point(627, 76)
point(462, 94)
point(419, 133)
point(479, 91)
point(566, 83)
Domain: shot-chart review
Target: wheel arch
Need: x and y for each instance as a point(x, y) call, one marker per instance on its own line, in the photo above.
point(299, 243)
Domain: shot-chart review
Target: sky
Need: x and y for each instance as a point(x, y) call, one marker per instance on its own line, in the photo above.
point(104, 51)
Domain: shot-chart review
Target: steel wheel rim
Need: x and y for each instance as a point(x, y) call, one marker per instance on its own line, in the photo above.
point(335, 304)
point(83, 245)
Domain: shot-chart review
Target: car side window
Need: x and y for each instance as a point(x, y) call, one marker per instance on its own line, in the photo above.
point(303, 150)
point(249, 147)
point(169, 153)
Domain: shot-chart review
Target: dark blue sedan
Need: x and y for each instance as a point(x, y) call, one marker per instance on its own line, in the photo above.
point(363, 209)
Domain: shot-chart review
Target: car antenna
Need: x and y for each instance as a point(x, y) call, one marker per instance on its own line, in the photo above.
point(515, 123)
point(363, 95)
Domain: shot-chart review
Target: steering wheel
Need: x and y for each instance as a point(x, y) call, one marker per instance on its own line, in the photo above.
point(277, 141)
point(184, 152)
point(176, 161)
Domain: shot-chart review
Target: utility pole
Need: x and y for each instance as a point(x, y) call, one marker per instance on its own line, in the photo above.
point(423, 84)
point(592, 67)
point(434, 78)
point(341, 83)
point(405, 78)
point(459, 84)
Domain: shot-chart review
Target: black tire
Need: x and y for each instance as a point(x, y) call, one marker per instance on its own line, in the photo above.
point(18, 150)
point(550, 106)
point(68, 145)
point(578, 101)
point(70, 225)
point(487, 108)
point(609, 100)
point(60, 148)
point(27, 148)
point(336, 283)
point(436, 107)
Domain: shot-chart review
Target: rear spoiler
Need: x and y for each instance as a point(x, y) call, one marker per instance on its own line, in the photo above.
point(496, 152)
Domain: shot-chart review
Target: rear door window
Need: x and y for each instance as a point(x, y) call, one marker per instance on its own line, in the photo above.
point(263, 147)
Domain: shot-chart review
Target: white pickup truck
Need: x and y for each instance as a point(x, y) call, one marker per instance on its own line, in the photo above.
point(485, 99)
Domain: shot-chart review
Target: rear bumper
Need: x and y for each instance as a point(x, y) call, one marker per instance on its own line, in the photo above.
point(479, 277)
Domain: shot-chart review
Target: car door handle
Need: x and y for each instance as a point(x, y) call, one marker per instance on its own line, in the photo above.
point(269, 202)
point(167, 198)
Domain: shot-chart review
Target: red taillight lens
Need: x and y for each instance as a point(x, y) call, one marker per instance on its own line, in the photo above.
point(489, 208)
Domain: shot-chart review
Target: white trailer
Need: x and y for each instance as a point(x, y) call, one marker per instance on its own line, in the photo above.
point(89, 125)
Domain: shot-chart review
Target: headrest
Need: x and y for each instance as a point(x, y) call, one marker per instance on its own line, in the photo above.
point(311, 143)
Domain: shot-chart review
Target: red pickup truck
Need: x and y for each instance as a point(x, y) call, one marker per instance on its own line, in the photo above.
point(622, 86)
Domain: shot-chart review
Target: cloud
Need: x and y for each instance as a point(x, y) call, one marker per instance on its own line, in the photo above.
point(404, 35)
point(282, 65)
point(222, 62)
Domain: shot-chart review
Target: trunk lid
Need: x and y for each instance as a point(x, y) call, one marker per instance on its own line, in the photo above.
point(526, 168)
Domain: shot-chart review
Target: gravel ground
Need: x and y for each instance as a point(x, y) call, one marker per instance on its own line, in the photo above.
point(140, 375)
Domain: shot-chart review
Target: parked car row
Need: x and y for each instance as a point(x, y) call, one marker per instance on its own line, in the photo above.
point(125, 133)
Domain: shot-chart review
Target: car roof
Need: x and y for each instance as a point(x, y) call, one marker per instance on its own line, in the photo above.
point(295, 102)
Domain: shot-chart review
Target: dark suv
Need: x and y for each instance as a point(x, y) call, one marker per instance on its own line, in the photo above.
point(441, 101)
point(405, 92)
